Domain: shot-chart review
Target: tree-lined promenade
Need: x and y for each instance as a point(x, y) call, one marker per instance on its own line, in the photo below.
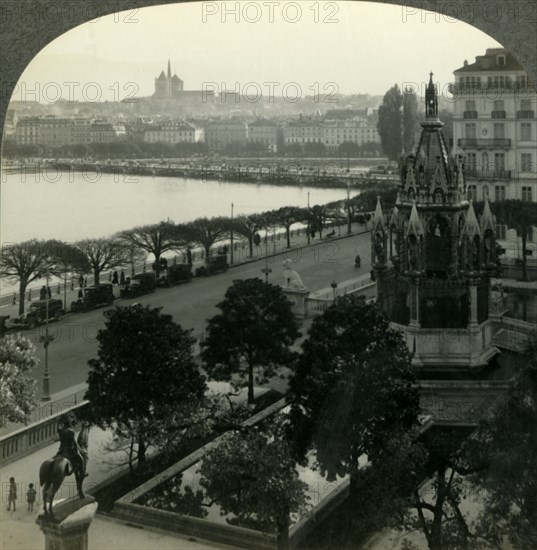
point(33, 260)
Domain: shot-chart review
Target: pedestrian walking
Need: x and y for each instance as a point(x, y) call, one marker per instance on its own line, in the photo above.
point(49, 292)
point(189, 256)
point(114, 278)
point(30, 497)
point(122, 278)
point(12, 495)
point(43, 293)
point(85, 282)
point(81, 281)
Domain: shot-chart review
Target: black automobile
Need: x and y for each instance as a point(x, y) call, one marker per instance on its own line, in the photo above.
point(215, 264)
point(143, 283)
point(175, 274)
point(37, 313)
point(94, 296)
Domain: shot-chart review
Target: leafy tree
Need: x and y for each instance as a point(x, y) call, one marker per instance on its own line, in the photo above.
point(17, 390)
point(255, 328)
point(247, 226)
point(366, 201)
point(410, 120)
point(104, 254)
point(316, 217)
point(66, 259)
point(286, 216)
point(155, 239)
point(314, 148)
point(522, 215)
point(24, 262)
point(390, 121)
point(508, 446)
point(251, 474)
point(353, 387)
point(144, 383)
point(206, 232)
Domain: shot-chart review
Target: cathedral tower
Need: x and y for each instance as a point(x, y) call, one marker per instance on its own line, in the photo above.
point(433, 258)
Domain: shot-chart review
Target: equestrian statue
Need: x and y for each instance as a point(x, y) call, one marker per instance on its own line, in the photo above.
point(72, 457)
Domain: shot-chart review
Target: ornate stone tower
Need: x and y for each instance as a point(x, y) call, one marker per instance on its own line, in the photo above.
point(432, 259)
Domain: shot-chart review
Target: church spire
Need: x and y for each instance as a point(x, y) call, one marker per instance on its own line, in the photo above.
point(471, 226)
point(415, 226)
point(378, 218)
point(487, 219)
point(431, 99)
point(169, 69)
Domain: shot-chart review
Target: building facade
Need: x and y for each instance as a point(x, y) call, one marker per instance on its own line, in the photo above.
point(336, 132)
point(266, 132)
point(170, 132)
point(495, 127)
point(220, 134)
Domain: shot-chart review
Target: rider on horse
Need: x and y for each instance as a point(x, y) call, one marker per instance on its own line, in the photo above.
point(69, 447)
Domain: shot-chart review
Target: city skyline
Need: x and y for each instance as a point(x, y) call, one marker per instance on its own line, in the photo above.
point(353, 53)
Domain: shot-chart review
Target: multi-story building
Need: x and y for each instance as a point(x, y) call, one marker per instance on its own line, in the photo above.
point(303, 130)
point(225, 132)
point(266, 132)
point(495, 127)
point(27, 131)
point(172, 131)
point(336, 132)
point(52, 131)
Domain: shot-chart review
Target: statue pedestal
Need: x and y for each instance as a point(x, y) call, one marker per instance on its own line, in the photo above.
point(68, 528)
point(297, 297)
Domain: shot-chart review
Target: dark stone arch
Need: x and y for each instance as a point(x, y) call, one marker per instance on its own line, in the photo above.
point(27, 26)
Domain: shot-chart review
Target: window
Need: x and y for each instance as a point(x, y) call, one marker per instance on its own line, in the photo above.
point(499, 105)
point(485, 192)
point(500, 60)
point(499, 161)
point(470, 130)
point(499, 193)
point(525, 131)
point(525, 105)
point(471, 161)
point(526, 193)
point(499, 130)
point(470, 106)
point(472, 192)
point(525, 162)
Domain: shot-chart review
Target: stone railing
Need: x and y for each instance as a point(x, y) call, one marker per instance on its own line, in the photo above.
point(30, 438)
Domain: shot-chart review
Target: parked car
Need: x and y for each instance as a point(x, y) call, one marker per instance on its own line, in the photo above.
point(37, 313)
point(213, 265)
point(94, 296)
point(143, 283)
point(175, 274)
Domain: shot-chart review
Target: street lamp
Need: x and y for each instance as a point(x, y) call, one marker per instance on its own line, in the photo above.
point(46, 339)
point(231, 238)
point(333, 284)
point(266, 270)
point(349, 231)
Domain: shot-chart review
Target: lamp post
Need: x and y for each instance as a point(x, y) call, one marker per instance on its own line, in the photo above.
point(46, 339)
point(308, 226)
point(266, 270)
point(349, 231)
point(333, 284)
point(231, 238)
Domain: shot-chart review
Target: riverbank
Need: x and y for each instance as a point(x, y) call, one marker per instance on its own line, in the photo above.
point(325, 174)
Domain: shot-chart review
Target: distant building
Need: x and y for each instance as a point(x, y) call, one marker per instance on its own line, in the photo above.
point(495, 127)
point(303, 130)
point(266, 132)
point(221, 133)
point(336, 132)
point(167, 85)
point(170, 132)
point(10, 123)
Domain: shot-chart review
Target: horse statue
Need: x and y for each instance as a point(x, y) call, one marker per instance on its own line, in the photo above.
point(53, 471)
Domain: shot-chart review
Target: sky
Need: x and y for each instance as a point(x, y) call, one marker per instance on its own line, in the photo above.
point(302, 48)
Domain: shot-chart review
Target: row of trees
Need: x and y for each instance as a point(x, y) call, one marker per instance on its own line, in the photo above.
point(28, 261)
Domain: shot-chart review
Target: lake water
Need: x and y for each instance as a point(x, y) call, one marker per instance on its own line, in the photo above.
point(74, 206)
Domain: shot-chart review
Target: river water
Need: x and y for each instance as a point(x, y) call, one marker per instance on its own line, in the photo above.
point(74, 206)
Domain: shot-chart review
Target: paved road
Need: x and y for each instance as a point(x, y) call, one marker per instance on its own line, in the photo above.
point(192, 303)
